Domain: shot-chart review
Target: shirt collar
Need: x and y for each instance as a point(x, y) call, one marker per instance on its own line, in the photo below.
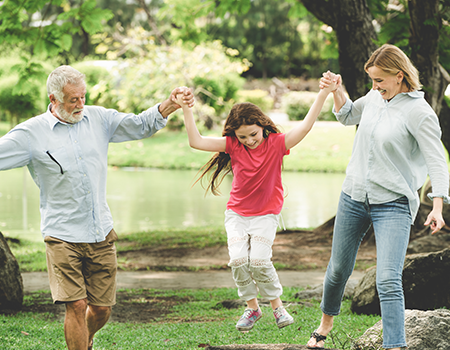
point(52, 120)
point(415, 94)
point(412, 94)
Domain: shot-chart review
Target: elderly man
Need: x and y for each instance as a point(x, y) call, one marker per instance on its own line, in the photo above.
point(65, 150)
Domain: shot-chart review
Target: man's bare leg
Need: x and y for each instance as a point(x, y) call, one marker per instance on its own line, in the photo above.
point(96, 318)
point(75, 328)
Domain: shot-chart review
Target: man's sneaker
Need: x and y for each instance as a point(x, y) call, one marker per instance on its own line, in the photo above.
point(282, 317)
point(248, 319)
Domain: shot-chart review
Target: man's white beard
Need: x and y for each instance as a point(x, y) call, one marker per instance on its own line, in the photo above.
point(68, 117)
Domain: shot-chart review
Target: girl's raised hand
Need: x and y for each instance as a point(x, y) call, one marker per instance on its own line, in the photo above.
point(183, 97)
point(330, 81)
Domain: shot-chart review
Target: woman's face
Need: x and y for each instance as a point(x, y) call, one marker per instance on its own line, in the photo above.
point(250, 135)
point(388, 85)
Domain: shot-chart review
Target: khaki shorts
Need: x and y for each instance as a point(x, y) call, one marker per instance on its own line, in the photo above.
point(82, 270)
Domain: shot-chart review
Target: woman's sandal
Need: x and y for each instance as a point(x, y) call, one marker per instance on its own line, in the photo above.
point(318, 337)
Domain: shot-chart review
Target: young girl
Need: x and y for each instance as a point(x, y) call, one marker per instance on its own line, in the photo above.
point(253, 149)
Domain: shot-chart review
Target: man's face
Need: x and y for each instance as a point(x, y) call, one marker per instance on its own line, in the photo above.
point(71, 109)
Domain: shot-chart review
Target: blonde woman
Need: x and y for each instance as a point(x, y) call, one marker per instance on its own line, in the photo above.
point(396, 145)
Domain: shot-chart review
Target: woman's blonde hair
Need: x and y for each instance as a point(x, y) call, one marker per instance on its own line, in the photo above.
point(392, 60)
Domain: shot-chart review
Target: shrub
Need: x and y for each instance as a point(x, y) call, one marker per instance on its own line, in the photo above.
point(95, 74)
point(216, 90)
point(144, 81)
point(18, 107)
point(297, 104)
point(258, 97)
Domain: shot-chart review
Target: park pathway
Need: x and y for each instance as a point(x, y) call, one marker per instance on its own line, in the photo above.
point(34, 281)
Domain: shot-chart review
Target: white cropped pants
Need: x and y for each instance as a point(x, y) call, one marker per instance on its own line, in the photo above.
point(250, 241)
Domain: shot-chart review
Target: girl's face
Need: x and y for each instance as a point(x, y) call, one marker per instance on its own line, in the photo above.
point(250, 135)
point(387, 84)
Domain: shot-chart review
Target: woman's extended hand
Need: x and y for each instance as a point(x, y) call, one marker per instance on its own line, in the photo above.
point(435, 220)
point(329, 78)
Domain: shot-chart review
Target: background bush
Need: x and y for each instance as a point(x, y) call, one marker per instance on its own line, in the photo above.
point(297, 104)
point(137, 83)
point(17, 107)
point(258, 97)
point(96, 75)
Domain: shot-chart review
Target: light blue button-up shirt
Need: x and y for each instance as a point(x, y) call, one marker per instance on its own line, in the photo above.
point(68, 162)
point(397, 143)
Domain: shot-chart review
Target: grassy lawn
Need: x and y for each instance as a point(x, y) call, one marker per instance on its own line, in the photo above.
point(198, 318)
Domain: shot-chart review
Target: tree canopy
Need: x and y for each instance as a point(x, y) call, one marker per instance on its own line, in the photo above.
point(279, 38)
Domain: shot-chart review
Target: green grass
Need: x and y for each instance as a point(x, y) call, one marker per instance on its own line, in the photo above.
point(190, 237)
point(196, 319)
point(30, 255)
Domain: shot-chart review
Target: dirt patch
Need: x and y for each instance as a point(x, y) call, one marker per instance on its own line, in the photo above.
point(292, 249)
point(131, 307)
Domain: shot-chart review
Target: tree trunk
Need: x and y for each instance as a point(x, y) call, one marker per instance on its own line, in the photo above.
point(352, 21)
point(426, 24)
point(444, 118)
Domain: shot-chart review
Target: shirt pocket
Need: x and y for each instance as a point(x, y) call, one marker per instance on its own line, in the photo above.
point(55, 161)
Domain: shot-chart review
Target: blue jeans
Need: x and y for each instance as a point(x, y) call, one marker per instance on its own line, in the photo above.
point(392, 223)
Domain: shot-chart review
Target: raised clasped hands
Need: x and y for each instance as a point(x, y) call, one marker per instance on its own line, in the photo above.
point(330, 81)
point(182, 96)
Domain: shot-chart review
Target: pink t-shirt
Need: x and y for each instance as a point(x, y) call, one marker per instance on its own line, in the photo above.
point(257, 188)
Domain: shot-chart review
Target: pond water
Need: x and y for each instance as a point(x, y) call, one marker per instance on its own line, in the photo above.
point(146, 199)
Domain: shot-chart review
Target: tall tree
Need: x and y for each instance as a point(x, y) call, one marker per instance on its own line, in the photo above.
point(421, 28)
point(426, 26)
point(353, 22)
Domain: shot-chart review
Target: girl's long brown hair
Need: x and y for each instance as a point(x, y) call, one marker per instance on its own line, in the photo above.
point(220, 163)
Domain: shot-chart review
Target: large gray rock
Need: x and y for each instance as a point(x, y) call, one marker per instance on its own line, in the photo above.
point(260, 347)
point(429, 244)
point(426, 284)
point(365, 298)
point(425, 330)
point(426, 281)
point(315, 292)
point(11, 284)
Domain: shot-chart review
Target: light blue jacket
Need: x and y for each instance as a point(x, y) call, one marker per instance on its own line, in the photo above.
point(68, 162)
point(397, 143)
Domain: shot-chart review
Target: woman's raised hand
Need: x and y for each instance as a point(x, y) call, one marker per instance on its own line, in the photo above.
point(328, 79)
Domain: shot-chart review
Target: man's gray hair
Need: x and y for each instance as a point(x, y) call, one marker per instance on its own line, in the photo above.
point(60, 77)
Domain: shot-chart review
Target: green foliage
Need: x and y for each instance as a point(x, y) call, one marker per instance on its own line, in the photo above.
point(214, 89)
point(42, 30)
point(258, 97)
point(150, 76)
point(279, 38)
point(95, 75)
point(184, 12)
point(297, 104)
point(48, 39)
point(21, 105)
